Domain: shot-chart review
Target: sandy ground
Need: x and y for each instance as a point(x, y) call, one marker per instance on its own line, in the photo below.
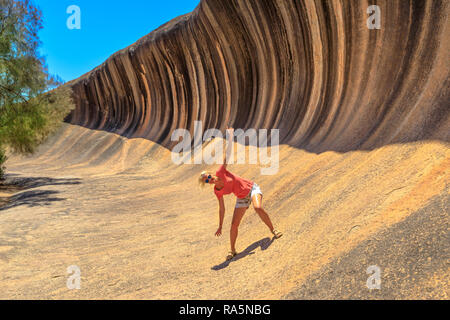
point(138, 226)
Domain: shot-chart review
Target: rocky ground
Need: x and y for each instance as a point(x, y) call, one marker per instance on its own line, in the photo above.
point(137, 226)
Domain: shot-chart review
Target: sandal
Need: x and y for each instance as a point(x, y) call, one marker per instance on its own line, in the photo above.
point(277, 233)
point(231, 255)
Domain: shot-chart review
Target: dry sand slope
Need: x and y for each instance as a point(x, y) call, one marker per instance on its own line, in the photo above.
point(364, 175)
point(138, 227)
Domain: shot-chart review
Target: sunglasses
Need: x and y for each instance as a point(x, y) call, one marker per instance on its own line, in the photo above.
point(207, 180)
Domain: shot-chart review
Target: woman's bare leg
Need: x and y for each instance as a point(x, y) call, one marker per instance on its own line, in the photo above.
point(257, 204)
point(237, 217)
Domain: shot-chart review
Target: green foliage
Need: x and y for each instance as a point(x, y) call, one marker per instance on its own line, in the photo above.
point(29, 109)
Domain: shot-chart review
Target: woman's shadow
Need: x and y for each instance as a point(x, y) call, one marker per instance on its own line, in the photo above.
point(263, 243)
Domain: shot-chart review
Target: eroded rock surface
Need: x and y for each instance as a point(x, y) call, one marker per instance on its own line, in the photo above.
point(364, 161)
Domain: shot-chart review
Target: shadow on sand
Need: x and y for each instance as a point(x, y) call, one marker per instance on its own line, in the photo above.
point(263, 243)
point(36, 182)
point(31, 198)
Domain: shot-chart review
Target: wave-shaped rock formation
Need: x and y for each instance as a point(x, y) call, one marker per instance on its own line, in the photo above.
point(312, 69)
point(104, 194)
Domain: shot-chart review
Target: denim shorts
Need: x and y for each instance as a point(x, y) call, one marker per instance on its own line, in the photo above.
point(245, 202)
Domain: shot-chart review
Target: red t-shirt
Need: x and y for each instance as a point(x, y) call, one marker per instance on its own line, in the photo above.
point(233, 184)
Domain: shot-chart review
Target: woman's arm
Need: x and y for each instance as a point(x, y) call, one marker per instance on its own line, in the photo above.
point(221, 216)
point(229, 146)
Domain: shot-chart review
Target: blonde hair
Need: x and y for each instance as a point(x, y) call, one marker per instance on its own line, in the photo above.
point(201, 182)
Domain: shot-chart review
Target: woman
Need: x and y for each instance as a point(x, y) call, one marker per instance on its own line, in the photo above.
point(246, 192)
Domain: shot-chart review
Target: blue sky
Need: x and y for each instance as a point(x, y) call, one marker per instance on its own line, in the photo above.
point(106, 27)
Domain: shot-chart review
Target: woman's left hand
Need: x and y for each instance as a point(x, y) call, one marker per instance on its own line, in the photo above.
point(219, 232)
